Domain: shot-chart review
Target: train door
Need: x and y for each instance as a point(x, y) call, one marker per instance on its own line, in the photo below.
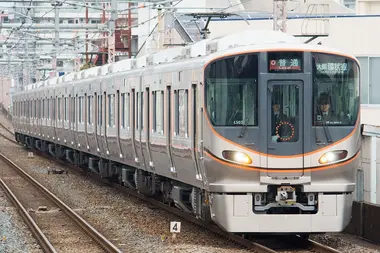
point(105, 122)
point(147, 111)
point(168, 123)
point(99, 110)
point(96, 120)
point(139, 128)
point(285, 127)
point(194, 129)
point(133, 124)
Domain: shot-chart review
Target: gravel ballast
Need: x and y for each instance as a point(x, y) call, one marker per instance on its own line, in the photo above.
point(15, 236)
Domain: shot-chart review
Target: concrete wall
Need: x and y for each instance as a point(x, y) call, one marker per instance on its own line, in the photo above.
point(368, 6)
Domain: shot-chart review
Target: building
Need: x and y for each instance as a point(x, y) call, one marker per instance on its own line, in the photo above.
point(38, 44)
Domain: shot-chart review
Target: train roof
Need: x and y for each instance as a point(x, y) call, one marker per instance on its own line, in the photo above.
point(209, 49)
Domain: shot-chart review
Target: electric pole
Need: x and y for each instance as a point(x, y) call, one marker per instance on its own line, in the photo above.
point(56, 5)
point(111, 34)
point(280, 15)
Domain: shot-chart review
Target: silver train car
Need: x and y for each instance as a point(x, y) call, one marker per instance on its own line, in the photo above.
point(254, 131)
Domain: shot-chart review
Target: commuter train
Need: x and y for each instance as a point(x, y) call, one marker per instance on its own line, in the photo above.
point(253, 131)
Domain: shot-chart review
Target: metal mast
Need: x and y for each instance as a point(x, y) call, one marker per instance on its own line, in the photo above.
point(111, 34)
point(56, 4)
point(280, 15)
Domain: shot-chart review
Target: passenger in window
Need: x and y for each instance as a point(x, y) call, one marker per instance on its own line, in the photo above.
point(277, 117)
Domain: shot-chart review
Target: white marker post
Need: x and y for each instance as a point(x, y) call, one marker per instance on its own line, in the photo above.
point(175, 227)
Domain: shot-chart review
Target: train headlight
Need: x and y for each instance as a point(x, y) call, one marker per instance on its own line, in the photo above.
point(333, 156)
point(237, 157)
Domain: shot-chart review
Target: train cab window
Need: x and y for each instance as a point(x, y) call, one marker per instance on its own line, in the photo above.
point(231, 90)
point(335, 90)
point(111, 110)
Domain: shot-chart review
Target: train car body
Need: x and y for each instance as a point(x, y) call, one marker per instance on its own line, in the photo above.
point(253, 131)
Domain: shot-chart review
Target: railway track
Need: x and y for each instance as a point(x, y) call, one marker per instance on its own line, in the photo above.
point(55, 225)
point(302, 245)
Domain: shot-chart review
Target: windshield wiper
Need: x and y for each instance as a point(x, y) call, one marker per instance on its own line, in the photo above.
point(248, 118)
point(325, 127)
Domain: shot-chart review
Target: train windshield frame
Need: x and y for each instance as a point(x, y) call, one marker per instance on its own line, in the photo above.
point(336, 93)
point(232, 90)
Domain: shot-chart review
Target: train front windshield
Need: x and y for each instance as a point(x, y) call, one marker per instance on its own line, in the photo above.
point(232, 90)
point(335, 90)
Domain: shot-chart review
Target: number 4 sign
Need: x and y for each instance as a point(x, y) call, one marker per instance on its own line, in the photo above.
point(175, 227)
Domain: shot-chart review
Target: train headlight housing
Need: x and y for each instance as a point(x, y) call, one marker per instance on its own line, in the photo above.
point(333, 156)
point(237, 157)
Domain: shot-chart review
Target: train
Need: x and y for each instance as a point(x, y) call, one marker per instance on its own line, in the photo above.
point(255, 131)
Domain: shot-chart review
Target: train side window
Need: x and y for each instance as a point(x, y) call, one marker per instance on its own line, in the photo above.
point(138, 110)
point(89, 112)
point(154, 99)
point(53, 109)
point(48, 108)
point(111, 110)
point(43, 108)
point(159, 112)
point(100, 108)
point(62, 109)
point(59, 109)
point(80, 110)
point(122, 125)
point(74, 115)
point(125, 110)
point(66, 116)
point(141, 110)
point(176, 113)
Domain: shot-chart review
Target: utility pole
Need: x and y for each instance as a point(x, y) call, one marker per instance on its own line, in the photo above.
point(160, 28)
point(111, 34)
point(56, 5)
point(280, 15)
point(26, 79)
point(86, 32)
point(129, 31)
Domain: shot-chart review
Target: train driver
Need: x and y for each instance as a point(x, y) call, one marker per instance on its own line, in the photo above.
point(325, 113)
point(277, 116)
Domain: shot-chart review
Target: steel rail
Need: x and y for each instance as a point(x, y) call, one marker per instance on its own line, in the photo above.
point(36, 231)
point(92, 232)
point(322, 248)
point(6, 128)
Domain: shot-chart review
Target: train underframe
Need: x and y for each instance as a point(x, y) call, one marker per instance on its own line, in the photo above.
point(282, 209)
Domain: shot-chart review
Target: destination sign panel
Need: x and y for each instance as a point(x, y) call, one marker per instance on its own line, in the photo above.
point(285, 62)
